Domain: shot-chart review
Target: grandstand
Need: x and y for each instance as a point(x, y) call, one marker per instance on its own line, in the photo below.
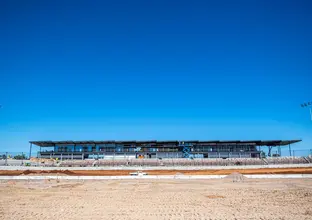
point(155, 150)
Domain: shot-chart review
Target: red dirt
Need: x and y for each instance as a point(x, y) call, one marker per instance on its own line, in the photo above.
point(305, 170)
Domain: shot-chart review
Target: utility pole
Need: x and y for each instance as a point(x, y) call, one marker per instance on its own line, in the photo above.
point(308, 105)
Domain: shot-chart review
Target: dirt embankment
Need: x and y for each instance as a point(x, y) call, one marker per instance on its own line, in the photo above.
point(307, 170)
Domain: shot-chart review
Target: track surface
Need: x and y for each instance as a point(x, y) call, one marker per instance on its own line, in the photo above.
point(86, 172)
point(288, 199)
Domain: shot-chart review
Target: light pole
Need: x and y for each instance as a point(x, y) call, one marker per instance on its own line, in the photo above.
point(307, 105)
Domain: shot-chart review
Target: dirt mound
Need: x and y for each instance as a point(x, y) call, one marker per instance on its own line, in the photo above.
point(46, 172)
point(236, 177)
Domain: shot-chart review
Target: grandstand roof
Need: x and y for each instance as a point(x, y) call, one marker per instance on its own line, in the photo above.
point(255, 142)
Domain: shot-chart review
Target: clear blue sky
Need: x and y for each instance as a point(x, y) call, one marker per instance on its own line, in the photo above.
point(73, 70)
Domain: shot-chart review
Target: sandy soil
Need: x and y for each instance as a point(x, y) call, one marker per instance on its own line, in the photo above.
point(157, 199)
point(303, 170)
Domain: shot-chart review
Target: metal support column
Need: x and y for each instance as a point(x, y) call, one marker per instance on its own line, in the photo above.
point(269, 151)
point(30, 147)
point(289, 149)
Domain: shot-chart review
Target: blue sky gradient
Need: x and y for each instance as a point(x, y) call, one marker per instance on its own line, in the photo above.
point(81, 70)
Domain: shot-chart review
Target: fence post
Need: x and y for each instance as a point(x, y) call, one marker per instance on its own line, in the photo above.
point(6, 158)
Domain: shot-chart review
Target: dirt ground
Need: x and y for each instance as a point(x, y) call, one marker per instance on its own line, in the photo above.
point(303, 170)
point(228, 198)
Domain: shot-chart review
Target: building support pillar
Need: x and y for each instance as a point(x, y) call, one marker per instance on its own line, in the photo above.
point(289, 149)
point(30, 148)
point(270, 149)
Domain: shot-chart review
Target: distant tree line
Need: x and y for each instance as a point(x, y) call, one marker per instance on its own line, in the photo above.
point(20, 157)
point(16, 157)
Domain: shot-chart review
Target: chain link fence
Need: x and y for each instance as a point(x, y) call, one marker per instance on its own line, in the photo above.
point(302, 153)
point(15, 158)
point(286, 152)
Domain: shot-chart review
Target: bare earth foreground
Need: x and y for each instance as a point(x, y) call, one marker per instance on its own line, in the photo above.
point(229, 198)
